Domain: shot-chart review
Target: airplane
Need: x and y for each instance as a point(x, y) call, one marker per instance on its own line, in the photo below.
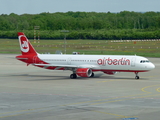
point(83, 65)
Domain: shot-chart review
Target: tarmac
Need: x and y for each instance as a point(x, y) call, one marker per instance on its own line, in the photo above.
point(31, 93)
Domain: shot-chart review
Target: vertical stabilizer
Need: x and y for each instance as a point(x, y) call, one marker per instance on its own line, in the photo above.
point(25, 45)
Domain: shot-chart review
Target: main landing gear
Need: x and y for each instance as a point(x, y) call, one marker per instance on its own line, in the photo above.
point(73, 76)
point(137, 77)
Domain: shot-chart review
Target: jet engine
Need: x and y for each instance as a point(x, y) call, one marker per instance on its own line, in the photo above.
point(84, 72)
point(110, 72)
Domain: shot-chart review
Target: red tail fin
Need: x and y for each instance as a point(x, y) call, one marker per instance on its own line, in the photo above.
point(25, 45)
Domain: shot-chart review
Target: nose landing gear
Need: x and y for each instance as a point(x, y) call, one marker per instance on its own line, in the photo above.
point(137, 77)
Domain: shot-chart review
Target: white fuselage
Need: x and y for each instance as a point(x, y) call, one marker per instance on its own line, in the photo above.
point(101, 62)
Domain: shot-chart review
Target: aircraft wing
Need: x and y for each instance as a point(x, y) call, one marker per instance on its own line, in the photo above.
point(66, 66)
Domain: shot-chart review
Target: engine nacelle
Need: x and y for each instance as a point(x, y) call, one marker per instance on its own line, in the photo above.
point(110, 72)
point(84, 72)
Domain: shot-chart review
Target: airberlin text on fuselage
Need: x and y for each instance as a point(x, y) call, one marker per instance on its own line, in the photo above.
point(109, 61)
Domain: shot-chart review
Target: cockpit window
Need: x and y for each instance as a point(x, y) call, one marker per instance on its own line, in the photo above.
point(144, 61)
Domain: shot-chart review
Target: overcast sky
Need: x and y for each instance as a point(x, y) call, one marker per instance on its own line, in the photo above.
point(39, 6)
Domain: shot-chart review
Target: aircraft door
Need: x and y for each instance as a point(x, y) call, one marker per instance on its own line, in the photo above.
point(69, 61)
point(133, 62)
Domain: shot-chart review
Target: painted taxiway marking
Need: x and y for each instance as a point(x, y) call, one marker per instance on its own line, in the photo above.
point(104, 99)
point(143, 89)
point(117, 99)
point(124, 99)
point(158, 89)
point(36, 110)
point(134, 96)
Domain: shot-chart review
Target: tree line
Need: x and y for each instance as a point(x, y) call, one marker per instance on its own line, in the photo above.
point(83, 25)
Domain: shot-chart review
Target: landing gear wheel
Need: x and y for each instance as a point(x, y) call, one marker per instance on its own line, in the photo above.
point(92, 75)
point(137, 77)
point(73, 76)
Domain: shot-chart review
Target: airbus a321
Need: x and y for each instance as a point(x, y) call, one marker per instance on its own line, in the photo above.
point(83, 65)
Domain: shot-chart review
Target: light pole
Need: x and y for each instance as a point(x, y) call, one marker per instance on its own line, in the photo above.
point(65, 31)
point(36, 28)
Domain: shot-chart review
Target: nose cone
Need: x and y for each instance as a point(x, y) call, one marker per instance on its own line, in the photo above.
point(151, 66)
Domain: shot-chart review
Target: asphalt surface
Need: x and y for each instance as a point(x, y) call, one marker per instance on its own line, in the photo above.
point(31, 93)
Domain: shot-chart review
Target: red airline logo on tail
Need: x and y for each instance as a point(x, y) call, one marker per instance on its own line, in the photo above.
point(24, 44)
